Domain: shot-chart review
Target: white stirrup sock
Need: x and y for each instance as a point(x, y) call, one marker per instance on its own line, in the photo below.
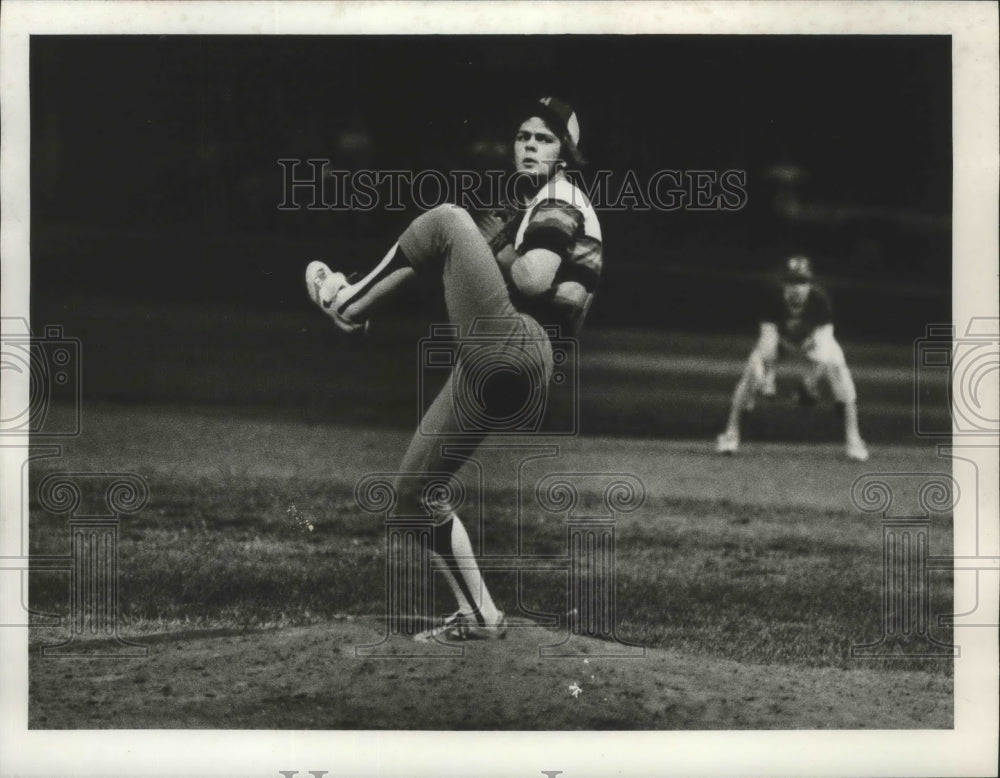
point(361, 297)
point(452, 544)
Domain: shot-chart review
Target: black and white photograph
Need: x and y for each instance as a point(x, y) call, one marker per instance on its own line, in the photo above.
point(545, 389)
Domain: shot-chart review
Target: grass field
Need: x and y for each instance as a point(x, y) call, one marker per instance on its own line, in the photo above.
point(747, 579)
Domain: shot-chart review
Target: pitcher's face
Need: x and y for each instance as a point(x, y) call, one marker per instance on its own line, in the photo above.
point(536, 149)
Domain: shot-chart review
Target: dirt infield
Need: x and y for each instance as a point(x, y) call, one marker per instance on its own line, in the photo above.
point(310, 678)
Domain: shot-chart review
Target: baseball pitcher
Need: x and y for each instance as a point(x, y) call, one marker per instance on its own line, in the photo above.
point(520, 268)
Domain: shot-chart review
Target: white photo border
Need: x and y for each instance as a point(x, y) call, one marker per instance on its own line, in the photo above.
point(969, 749)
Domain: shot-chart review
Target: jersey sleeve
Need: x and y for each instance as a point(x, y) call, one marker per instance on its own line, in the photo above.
point(554, 225)
point(558, 226)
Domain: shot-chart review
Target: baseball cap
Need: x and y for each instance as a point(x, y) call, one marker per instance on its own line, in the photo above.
point(797, 270)
point(561, 117)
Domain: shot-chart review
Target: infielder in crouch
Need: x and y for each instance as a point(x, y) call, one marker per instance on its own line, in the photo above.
point(516, 270)
point(798, 316)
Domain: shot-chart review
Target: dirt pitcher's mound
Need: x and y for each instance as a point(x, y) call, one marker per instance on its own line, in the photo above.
point(324, 677)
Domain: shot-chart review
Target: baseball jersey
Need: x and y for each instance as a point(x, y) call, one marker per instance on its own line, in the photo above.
point(795, 326)
point(561, 219)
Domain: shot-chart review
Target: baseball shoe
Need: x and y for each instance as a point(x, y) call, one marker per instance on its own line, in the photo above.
point(727, 443)
point(857, 451)
point(461, 626)
point(331, 292)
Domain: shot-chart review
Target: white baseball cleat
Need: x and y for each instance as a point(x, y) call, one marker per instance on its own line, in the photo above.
point(331, 292)
point(727, 443)
point(857, 451)
point(461, 626)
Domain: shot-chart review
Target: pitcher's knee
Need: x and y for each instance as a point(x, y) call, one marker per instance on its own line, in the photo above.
point(449, 218)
